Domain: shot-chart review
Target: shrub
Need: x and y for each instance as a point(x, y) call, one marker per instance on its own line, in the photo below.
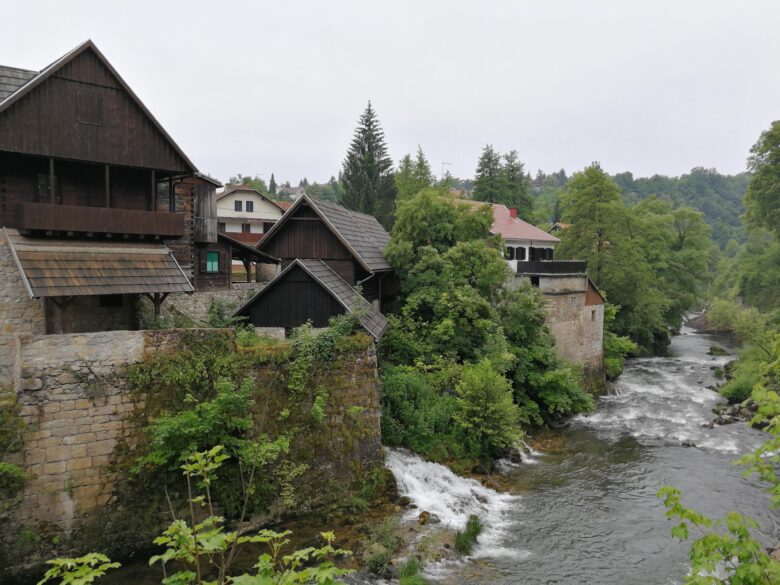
point(410, 573)
point(488, 418)
point(381, 545)
point(467, 538)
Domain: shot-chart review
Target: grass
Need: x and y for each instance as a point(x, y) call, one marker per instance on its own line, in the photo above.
point(410, 573)
point(466, 539)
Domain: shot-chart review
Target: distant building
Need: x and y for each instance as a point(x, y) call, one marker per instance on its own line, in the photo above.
point(575, 307)
point(245, 214)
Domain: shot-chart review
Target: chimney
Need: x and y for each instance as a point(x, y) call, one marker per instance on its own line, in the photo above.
point(513, 212)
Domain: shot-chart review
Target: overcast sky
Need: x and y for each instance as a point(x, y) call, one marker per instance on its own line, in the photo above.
point(257, 87)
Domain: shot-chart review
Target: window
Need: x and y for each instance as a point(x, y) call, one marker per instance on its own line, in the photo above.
point(221, 227)
point(250, 206)
point(593, 315)
point(573, 302)
point(212, 261)
point(510, 253)
point(237, 206)
point(520, 254)
point(245, 227)
point(89, 107)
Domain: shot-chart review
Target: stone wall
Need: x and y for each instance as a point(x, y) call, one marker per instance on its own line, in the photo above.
point(20, 315)
point(196, 306)
point(81, 423)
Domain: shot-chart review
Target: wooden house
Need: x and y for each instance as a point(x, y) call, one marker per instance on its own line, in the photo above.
point(328, 254)
point(98, 204)
point(350, 243)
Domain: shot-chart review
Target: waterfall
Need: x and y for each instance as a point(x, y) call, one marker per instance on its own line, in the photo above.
point(436, 489)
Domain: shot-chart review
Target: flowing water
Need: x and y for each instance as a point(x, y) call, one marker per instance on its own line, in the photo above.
point(585, 510)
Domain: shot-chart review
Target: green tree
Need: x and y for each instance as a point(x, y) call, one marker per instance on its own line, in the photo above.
point(272, 185)
point(516, 186)
point(369, 185)
point(485, 412)
point(762, 199)
point(413, 175)
point(489, 179)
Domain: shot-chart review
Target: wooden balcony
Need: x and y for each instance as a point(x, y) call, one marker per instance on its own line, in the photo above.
point(98, 220)
point(552, 267)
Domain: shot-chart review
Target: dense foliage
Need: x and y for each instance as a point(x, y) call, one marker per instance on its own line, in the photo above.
point(502, 179)
point(367, 174)
point(651, 259)
point(466, 358)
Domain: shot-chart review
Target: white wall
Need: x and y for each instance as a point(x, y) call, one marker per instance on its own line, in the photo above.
point(264, 210)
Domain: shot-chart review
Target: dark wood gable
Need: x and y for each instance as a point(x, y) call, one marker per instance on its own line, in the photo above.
point(305, 235)
point(80, 109)
point(292, 300)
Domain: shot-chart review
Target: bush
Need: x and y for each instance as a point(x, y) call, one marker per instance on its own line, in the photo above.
point(381, 545)
point(488, 419)
point(740, 387)
point(466, 539)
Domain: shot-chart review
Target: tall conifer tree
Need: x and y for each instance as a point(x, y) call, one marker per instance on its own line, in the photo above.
point(488, 180)
point(272, 185)
point(369, 185)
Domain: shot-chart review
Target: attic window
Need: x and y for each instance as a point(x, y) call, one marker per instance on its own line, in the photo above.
point(89, 107)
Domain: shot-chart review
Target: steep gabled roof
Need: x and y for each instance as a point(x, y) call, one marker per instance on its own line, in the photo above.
point(370, 318)
point(362, 234)
point(230, 189)
point(14, 95)
point(12, 78)
point(513, 228)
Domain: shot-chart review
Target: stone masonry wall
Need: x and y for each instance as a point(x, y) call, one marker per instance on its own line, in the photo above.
point(80, 419)
point(20, 315)
point(196, 305)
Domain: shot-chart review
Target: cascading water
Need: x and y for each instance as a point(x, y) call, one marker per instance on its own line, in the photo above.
point(436, 489)
point(588, 511)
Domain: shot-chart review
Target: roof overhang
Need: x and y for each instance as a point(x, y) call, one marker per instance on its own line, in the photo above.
point(64, 268)
point(241, 251)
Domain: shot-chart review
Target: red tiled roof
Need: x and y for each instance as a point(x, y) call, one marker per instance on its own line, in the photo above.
point(514, 228)
point(284, 204)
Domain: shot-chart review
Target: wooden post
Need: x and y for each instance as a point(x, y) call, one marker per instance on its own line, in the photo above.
point(248, 267)
point(153, 194)
point(51, 180)
point(157, 300)
point(108, 187)
point(171, 196)
point(62, 305)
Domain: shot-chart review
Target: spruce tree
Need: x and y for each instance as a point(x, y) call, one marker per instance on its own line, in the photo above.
point(516, 186)
point(488, 180)
point(413, 175)
point(272, 185)
point(369, 185)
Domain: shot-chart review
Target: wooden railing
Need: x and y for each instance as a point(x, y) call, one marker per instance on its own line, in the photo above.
point(98, 220)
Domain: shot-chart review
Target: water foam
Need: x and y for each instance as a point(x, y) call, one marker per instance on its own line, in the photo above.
point(436, 489)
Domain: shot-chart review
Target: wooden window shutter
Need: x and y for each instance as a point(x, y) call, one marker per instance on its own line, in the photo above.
point(204, 255)
point(222, 262)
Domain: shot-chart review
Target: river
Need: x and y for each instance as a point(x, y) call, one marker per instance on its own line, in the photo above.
point(585, 510)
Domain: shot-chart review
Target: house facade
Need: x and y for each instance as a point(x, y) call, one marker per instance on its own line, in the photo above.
point(98, 205)
point(575, 307)
point(245, 214)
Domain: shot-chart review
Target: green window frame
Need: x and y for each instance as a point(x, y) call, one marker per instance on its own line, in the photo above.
point(212, 261)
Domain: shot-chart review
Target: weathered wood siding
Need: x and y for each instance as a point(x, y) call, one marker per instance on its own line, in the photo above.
point(203, 280)
point(305, 235)
point(81, 112)
point(204, 218)
point(294, 300)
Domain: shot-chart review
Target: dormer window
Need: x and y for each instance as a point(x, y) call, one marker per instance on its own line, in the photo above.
point(250, 206)
point(238, 206)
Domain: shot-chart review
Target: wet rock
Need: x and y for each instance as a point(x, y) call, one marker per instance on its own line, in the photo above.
point(720, 408)
point(404, 501)
point(423, 518)
point(688, 444)
point(716, 349)
point(434, 519)
point(515, 455)
point(480, 498)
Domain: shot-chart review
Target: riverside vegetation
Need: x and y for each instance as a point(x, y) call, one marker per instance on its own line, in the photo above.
point(467, 362)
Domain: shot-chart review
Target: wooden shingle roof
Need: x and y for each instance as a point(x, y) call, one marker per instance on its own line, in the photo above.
point(362, 234)
point(370, 318)
point(12, 78)
point(61, 268)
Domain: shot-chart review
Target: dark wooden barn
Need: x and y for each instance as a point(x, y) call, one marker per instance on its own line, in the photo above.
point(352, 244)
point(82, 159)
point(310, 290)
